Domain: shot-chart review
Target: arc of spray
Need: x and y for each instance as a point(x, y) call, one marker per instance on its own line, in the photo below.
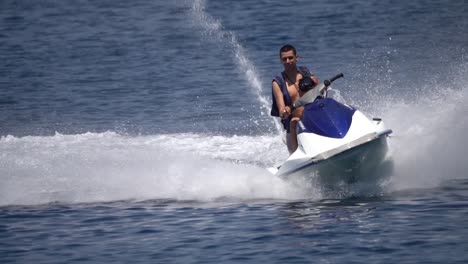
point(213, 27)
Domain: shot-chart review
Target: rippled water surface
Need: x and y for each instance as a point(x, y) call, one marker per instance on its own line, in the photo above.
point(414, 226)
point(140, 132)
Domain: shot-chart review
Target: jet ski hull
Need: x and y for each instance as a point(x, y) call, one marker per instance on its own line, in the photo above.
point(361, 163)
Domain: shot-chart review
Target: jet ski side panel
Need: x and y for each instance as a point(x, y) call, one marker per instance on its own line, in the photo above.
point(354, 164)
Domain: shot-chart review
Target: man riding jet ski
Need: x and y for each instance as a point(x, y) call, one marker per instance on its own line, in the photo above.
point(334, 140)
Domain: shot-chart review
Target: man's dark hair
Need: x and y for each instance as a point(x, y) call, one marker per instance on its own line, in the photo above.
point(287, 48)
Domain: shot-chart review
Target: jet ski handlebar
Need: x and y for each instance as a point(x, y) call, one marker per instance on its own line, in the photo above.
point(334, 78)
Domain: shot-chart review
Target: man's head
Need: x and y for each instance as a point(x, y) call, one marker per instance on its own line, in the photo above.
point(288, 57)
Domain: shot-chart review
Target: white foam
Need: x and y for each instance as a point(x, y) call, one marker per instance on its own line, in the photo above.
point(95, 167)
point(430, 144)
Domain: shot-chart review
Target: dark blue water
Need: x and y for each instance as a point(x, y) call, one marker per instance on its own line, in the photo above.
point(139, 132)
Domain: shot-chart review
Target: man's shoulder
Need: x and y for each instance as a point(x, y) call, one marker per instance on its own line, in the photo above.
point(279, 78)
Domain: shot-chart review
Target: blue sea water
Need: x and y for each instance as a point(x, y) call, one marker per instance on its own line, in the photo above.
point(139, 131)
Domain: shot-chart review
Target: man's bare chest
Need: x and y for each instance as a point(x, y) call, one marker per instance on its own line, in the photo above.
point(293, 89)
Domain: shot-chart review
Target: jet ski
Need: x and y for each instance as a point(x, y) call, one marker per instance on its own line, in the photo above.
point(336, 142)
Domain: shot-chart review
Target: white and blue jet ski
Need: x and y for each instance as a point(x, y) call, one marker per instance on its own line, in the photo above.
point(336, 142)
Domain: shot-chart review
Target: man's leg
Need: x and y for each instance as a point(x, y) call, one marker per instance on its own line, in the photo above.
point(292, 135)
point(289, 143)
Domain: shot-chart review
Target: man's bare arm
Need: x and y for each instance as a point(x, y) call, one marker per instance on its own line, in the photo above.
point(283, 110)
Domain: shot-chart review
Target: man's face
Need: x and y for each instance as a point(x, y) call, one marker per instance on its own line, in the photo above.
point(288, 59)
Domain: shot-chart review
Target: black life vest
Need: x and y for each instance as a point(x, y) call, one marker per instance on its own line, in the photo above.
point(284, 89)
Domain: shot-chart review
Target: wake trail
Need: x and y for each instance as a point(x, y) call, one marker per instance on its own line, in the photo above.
point(101, 167)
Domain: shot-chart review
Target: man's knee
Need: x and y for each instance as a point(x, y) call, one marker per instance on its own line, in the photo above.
point(293, 124)
point(295, 119)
